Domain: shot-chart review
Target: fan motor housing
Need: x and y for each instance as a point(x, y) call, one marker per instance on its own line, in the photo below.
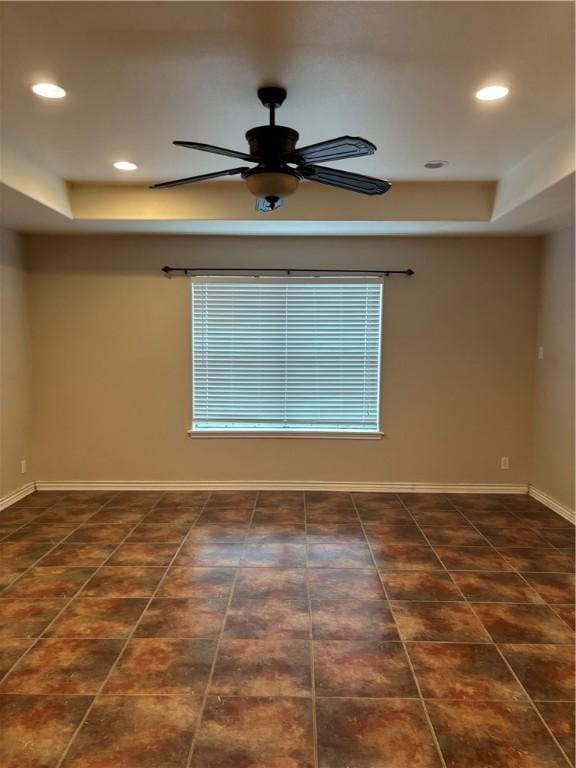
point(271, 142)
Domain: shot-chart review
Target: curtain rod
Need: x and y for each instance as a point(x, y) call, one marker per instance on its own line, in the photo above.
point(267, 272)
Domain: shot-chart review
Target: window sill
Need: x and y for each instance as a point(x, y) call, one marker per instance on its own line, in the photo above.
point(290, 435)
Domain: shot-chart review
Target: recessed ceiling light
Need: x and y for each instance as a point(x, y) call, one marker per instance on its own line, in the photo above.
point(492, 93)
point(49, 90)
point(125, 165)
point(434, 164)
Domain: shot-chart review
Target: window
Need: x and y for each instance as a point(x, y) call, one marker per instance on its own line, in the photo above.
point(290, 355)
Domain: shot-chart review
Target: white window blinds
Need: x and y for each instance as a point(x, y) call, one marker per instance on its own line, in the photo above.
point(286, 355)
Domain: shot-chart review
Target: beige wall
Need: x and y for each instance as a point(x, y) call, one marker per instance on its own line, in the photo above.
point(111, 347)
point(553, 455)
point(14, 366)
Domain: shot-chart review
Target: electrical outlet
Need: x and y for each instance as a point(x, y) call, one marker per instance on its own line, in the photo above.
point(23, 467)
point(540, 353)
point(504, 462)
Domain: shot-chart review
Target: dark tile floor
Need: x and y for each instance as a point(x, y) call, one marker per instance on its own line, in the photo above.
point(285, 630)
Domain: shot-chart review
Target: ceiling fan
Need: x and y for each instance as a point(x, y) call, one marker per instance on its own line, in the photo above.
point(281, 166)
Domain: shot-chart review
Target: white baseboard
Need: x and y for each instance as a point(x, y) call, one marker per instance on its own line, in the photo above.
point(291, 485)
point(553, 504)
point(15, 496)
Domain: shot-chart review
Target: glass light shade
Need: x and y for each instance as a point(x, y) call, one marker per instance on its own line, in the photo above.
point(270, 184)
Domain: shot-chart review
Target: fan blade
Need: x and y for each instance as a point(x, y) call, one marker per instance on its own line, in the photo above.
point(203, 177)
point(354, 182)
point(263, 206)
point(216, 150)
point(335, 149)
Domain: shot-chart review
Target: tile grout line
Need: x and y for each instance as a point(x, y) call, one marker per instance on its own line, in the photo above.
point(554, 607)
point(79, 594)
point(127, 640)
point(530, 701)
point(474, 546)
point(401, 639)
point(474, 524)
point(315, 756)
point(405, 644)
point(41, 511)
point(444, 568)
point(538, 573)
point(299, 698)
point(200, 717)
point(557, 547)
point(16, 506)
point(493, 642)
point(518, 573)
point(525, 524)
point(17, 528)
point(408, 642)
point(37, 564)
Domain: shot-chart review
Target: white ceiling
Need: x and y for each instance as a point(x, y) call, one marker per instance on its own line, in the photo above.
point(402, 74)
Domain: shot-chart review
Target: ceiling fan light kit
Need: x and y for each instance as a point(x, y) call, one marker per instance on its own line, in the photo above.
point(272, 186)
point(281, 165)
